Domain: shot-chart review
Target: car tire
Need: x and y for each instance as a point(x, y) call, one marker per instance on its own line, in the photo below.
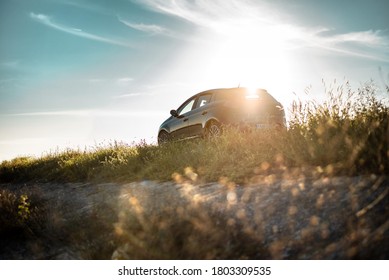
point(163, 138)
point(213, 130)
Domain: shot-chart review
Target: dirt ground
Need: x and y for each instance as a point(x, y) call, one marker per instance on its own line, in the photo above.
point(272, 218)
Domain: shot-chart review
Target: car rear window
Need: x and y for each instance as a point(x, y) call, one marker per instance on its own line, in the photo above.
point(242, 94)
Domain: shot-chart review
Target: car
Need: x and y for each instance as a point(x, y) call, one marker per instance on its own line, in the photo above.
point(206, 114)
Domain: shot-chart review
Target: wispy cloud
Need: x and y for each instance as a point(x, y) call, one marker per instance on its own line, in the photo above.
point(147, 28)
point(118, 81)
point(75, 113)
point(86, 113)
point(370, 37)
point(12, 64)
point(48, 21)
point(369, 44)
point(232, 18)
point(127, 95)
point(92, 6)
point(210, 14)
point(96, 80)
point(124, 80)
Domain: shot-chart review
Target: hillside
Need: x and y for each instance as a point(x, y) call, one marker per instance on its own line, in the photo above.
point(316, 190)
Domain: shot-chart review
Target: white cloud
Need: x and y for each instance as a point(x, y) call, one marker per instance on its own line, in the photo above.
point(148, 28)
point(96, 80)
point(127, 95)
point(12, 64)
point(75, 113)
point(211, 14)
point(48, 21)
point(124, 80)
point(87, 113)
point(236, 18)
point(370, 37)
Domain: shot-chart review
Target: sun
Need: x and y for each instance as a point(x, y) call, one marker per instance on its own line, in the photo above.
point(252, 57)
point(241, 53)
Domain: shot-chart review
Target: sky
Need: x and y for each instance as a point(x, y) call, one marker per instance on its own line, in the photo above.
point(85, 73)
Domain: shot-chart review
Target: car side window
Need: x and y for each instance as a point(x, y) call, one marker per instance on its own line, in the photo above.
point(186, 107)
point(203, 100)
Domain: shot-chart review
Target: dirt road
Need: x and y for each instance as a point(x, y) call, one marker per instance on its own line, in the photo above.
point(273, 218)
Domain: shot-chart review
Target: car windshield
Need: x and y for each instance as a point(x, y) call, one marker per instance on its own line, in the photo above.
point(186, 107)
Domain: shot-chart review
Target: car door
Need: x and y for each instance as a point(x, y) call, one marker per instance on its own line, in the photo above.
point(198, 115)
point(179, 125)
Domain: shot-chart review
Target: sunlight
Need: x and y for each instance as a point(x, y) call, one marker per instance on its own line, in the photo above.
point(233, 53)
point(251, 93)
point(255, 58)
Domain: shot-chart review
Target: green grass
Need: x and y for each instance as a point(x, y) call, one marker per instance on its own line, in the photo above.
point(348, 133)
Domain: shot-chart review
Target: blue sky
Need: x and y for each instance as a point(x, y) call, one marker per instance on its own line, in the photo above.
point(79, 73)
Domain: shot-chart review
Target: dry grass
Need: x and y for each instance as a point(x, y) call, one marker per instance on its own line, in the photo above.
point(345, 135)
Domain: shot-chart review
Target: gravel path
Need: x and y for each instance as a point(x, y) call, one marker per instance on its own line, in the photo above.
point(273, 218)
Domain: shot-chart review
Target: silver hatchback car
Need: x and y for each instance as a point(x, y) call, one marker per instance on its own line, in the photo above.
point(206, 113)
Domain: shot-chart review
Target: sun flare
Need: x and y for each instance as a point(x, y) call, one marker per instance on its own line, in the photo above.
point(255, 58)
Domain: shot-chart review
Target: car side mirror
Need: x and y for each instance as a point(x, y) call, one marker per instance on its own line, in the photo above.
point(174, 113)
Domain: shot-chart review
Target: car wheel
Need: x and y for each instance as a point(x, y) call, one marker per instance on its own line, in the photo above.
point(213, 130)
point(163, 137)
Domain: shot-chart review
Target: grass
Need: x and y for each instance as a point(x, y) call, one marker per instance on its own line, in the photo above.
point(346, 134)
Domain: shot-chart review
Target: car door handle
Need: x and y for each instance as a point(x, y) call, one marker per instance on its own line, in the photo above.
point(185, 119)
point(204, 113)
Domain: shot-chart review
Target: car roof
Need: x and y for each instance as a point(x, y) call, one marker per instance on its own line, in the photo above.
point(237, 89)
point(240, 90)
